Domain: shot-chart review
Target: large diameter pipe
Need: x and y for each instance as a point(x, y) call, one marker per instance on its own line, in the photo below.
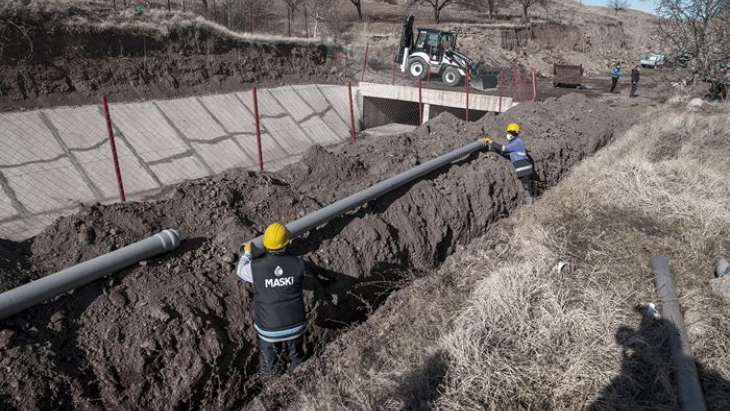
point(35, 292)
point(323, 215)
point(685, 371)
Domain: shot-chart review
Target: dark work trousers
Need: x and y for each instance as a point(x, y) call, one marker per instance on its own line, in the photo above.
point(528, 183)
point(267, 355)
point(634, 87)
point(614, 80)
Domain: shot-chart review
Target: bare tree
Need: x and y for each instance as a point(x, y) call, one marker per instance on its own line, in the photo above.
point(232, 7)
point(697, 30)
point(526, 4)
point(358, 6)
point(617, 5)
point(256, 12)
point(491, 6)
point(323, 13)
point(292, 6)
point(437, 5)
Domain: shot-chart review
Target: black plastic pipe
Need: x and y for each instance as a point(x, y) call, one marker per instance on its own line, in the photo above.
point(685, 370)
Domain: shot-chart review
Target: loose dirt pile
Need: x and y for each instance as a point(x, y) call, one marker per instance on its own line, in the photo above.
point(71, 56)
point(176, 331)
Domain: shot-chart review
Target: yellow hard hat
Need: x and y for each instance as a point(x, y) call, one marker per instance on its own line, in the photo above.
point(513, 127)
point(276, 236)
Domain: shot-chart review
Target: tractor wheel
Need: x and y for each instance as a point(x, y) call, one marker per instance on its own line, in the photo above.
point(417, 69)
point(451, 76)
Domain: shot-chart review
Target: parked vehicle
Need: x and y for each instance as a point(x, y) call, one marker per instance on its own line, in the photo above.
point(652, 60)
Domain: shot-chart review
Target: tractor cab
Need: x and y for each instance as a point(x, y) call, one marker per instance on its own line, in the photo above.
point(435, 41)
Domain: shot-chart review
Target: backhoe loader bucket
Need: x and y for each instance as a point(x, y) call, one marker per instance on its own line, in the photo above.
point(481, 82)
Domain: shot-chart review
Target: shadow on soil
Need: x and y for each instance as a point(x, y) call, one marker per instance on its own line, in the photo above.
point(647, 381)
point(422, 387)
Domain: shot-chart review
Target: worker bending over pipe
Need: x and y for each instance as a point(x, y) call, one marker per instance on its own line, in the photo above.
point(516, 150)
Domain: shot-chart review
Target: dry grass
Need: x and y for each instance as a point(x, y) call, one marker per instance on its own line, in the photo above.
point(69, 16)
point(498, 328)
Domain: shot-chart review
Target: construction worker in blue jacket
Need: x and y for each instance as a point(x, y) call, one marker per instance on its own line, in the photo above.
point(615, 75)
point(516, 150)
point(279, 314)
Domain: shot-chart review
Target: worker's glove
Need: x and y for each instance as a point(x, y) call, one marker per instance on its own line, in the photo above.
point(488, 140)
point(247, 248)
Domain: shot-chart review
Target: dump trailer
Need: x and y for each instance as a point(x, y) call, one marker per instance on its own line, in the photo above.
point(567, 75)
point(437, 49)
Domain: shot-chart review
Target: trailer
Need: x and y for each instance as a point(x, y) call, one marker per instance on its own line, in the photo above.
point(567, 75)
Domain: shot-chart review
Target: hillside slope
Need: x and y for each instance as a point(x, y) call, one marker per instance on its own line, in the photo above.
point(56, 54)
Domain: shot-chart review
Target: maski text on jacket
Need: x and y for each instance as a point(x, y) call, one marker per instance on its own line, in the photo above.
point(278, 282)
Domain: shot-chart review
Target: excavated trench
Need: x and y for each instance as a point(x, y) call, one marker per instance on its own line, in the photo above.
point(176, 332)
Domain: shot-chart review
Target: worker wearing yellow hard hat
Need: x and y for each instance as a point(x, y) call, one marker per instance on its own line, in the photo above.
point(279, 314)
point(516, 151)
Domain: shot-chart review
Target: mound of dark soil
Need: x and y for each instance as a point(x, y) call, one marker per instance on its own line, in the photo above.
point(71, 57)
point(176, 331)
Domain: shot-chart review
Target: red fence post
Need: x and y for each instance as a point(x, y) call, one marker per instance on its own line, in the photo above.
point(420, 104)
point(514, 83)
point(258, 128)
point(525, 89)
point(466, 84)
point(392, 62)
point(428, 67)
point(365, 62)
point(110, 131)
point(501, 83)
point(534, 85)
point(352, 110)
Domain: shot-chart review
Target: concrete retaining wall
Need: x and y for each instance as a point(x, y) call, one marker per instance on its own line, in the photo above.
point(53, 159)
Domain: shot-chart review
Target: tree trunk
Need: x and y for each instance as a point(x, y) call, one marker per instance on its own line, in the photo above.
point(436, 14)
point(524, 12)
point(250, 10)
point(359, 9)
point(288, 20)
point(168, 6)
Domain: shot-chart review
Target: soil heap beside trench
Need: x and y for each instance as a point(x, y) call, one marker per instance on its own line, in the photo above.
point(176, 331)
